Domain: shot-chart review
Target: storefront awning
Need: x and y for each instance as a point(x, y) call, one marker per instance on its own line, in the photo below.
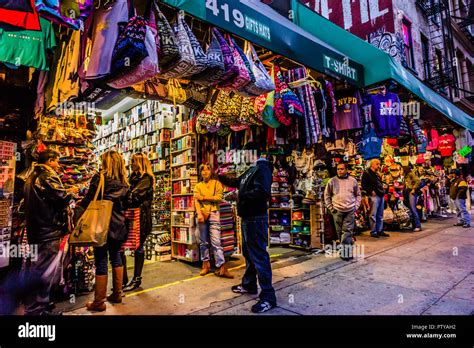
point(260, 24)
point(378, 65)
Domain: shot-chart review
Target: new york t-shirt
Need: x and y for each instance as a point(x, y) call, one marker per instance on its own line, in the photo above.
point(348, 116)
point(27, 47)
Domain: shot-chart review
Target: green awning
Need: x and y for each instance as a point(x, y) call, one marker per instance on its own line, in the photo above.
point(259, 23)
point(378, 65)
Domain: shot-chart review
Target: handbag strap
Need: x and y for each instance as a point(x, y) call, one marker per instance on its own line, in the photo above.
point(100, 188)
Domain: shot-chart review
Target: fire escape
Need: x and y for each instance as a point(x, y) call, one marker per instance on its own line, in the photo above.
point(442, 77)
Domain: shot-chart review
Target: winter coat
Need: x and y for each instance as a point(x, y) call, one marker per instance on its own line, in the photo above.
point(371, 181)
point(140, 196)
point(46, 204)
point(254, 189)
point(115, 191)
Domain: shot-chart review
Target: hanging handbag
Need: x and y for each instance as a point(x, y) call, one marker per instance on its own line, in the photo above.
point(199, 56)
point(215, 64)
point(93, 226)
point(152, 89)
point(263, 81)
point(148, 67)
point(227, 108)
point(187, 62)
point(130, 48)
point(268, 115)
point(231, 70)
point(416, 132)
point(169, 52)
point(242, 78)
point(176, 93)
point(196, 96)
point(132, 219)
point(287, 104)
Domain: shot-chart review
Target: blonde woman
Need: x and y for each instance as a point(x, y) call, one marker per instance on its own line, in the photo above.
point(208, 194)
point(140, 195)
point(115, 190)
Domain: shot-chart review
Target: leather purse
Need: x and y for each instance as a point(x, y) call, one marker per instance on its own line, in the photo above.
point(92, 227)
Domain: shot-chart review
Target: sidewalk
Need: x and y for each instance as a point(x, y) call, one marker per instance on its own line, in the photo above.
point(428, 272)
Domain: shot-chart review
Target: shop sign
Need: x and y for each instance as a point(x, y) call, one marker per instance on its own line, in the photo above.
point(341, 68)
point(466, 150)
point(226, 11)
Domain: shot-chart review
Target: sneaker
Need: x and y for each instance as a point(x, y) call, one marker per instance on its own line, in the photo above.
point(466, 225)
point(417, 229)
point(459, 224)
point(374, 235)
point(239, 289)
point(383, 234)
point(262, 306)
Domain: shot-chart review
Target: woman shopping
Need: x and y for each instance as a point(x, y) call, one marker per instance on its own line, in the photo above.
point(208, 194)
point(142, 183)
point(115, 189)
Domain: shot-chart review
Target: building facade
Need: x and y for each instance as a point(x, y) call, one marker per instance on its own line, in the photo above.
point(431, 38)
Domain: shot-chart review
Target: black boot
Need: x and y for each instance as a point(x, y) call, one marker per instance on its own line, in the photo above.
point(137, 276)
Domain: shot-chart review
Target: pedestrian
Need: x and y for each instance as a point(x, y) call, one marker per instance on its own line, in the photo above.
point(46, 202)
point(412, 193)
point(458, 193)
point(254, 193)
point(140, 195)
point(208, 194)
point(342, 197)
point(115, 189)
point(373, 186)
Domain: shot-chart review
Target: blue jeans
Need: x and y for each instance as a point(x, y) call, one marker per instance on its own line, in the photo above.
point(415, 218)
point(376, 214)
point(210, 231)
point(112, 247)
point(257, 260)
point(462, 213)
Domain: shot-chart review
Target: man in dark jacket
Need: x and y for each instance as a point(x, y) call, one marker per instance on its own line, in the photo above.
point(373, 186)
point(46, 203)
point(458, 193)
point(254, 192)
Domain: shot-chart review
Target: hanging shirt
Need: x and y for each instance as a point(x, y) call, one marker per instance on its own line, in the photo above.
point(27, 47)
point(463, 138)
point(348, 110)
point(371, 146)
point(386, 114)
point(446, 145)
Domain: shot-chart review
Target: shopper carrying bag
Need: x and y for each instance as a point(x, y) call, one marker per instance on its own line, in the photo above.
point(140, 195)
point(115, 188)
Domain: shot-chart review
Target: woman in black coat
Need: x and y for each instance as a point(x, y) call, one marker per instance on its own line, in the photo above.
point(115, 189)
point(142, 183)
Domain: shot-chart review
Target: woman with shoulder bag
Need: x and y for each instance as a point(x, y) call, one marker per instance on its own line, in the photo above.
point(115, 190)
point(207, 195)
point(142, 183)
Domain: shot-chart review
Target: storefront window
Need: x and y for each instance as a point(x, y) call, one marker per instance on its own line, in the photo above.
point(408, 43)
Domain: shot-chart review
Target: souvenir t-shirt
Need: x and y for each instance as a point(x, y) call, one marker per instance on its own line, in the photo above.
point(348, 110)
point(386, 114)
point(27, 47)
point(446, 145)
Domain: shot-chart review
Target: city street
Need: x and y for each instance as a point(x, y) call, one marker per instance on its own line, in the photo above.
point(411, 273)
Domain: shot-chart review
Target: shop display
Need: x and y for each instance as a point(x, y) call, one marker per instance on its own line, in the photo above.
point(7, 175)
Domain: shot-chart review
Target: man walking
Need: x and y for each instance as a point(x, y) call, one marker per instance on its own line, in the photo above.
point(46, 203)
point(254, 192)
point(412, 185)
point(373, 186)
point(458, 193)
point(342, 197)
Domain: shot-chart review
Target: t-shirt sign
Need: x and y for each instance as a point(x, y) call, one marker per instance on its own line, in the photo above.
point(348, 110)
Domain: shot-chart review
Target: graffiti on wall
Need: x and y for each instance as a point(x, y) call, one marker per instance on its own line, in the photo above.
point(388, 42)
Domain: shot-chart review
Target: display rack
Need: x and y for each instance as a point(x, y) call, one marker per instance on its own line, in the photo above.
point(311, 237)
point(7, 175)
point(279, 217)
point(183, 179)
